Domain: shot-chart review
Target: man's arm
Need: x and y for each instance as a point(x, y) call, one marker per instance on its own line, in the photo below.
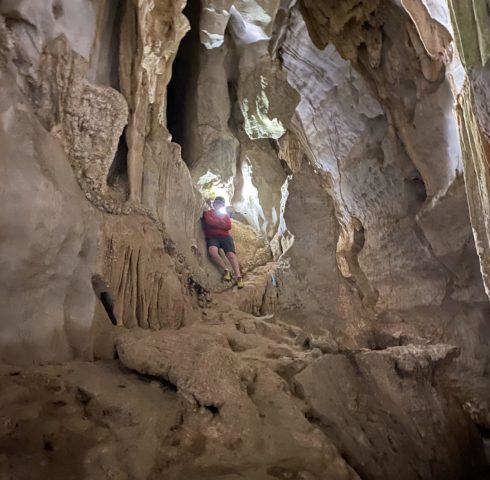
point(226, 222)
point(214, 220)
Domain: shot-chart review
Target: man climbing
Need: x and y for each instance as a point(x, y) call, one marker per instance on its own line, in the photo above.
point(217, 226)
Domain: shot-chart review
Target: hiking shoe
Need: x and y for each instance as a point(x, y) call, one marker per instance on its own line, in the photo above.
point(226, 276)
point(239, 282)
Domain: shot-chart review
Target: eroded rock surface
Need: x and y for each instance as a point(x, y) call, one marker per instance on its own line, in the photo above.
point(48, 242)
point(244, 400)
point(83, 420)
point(385, 401)
point(398, 256)
point(360, 351)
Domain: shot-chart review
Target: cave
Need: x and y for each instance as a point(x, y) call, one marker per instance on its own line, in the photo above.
point(342, 333)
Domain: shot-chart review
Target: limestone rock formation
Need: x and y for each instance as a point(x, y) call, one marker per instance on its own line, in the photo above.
point(385, 422)
point(148, 284)
point(251, 247)
point(394, 246)
point(242, 399)
point(88, 119)
point(351, 140)
point(48, 244)
point(474, 40)
point(240, 94)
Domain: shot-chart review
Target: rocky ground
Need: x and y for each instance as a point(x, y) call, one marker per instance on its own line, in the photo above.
point(243, 394)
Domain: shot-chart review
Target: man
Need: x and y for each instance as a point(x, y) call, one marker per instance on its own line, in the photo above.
point(217, 226)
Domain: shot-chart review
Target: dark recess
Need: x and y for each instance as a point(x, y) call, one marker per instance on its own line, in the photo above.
point(182, 87)
point(118, 173)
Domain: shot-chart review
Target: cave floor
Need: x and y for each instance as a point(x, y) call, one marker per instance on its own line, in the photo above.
point(241, 395)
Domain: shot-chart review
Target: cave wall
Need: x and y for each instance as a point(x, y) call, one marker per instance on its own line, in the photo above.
point(48, 243)
point(377, 121)
point(334, 131)
point(84, 97)
point(374, 185)
point(473, 38)
point(235, 105)
point(99, 92)
point(365, 124)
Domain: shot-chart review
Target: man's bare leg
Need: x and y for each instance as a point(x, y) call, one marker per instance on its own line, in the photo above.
point(214, 254)
point(233, 259)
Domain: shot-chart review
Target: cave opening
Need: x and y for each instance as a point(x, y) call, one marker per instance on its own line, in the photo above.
point(182, 87)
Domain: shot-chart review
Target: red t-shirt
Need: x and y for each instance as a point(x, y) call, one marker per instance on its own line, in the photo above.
point(216, 224)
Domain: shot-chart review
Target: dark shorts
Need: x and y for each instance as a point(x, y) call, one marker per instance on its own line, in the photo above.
point(226, 243)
